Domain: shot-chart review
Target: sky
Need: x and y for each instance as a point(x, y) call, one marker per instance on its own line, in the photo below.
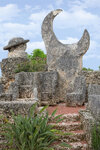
point(23, 18)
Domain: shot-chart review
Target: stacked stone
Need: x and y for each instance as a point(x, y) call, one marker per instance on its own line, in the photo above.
point(16, 55)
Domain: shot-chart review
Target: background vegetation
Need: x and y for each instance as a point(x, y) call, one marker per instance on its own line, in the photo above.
point(87, 69)
point(36, 62)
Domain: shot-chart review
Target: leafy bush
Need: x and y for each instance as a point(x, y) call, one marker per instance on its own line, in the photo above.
point(37, 53)
point(32, 132)
point(36, 63)
point(29, 66)
point(87, 69)
point(96, 137)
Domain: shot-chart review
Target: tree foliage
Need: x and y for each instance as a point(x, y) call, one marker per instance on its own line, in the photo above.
point(36, 62)
point(87, 69)
point(37, 53)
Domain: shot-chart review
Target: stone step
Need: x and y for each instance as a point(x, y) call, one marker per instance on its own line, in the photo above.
point(75, 136)
point(44, 103)
point(26, 99)
point(69, 126)
point(74, 146)
point(68, 117)
point(71, 117)
point(15, 106)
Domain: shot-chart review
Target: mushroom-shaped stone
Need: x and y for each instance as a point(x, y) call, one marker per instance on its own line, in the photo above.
point(17, 47)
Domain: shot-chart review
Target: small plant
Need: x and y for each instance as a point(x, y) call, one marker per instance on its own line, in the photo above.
point(96, 137)
point(32, 132)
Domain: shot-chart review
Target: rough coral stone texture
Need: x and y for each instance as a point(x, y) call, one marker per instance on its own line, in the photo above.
point(66, 59)
point(18, 51)
point(1, 88)
point(26, 91)
point(92, 77)
point(88, 121)
point(17, 47)
point(94, 100)
point(77, 97)
point(46, 84)
point(9, 65)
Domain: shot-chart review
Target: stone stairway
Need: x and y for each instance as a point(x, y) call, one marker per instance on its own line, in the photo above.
point(70, 124)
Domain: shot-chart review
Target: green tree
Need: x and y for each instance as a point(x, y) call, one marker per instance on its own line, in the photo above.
point(37, 53)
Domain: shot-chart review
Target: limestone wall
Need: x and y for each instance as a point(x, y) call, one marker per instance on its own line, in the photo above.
point(92, 77)
point(9, 65)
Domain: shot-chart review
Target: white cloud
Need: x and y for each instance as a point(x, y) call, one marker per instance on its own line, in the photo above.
point(31, 8)
point(10, 30)
point(59, 2)
point(69, 40)
point(75, 19)
point(84, 4)
point(8, 12)
point(38, 17)
point(28, 7)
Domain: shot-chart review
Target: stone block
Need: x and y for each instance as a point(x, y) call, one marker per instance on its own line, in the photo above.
point(48, 86)
point(25, 78)
point(77, 97)
point(16, 106)
point(14, 90)
point(94, 89)
point(45, 83)
point(94, 100)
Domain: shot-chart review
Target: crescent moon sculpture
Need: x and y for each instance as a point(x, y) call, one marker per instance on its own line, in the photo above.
point(56, 49)
point(66, 59)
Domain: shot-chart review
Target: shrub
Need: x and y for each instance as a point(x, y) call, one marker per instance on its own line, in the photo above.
point(36, 63)
point(87, 69)
point(37, 53)
point(32, 132)
point(96, 137)
point(29, 66)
